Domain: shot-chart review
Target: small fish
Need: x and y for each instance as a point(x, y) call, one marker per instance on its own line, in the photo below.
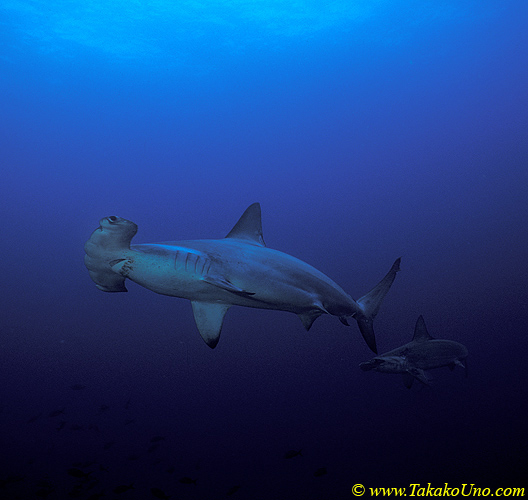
point(76, 427)
point(103, 408)
point(156, 492)
point(78, 387)
point(171, 469)
point(320, 472)
point(122, 488)
point(34, 418)
point(188, 480)
point(152, 447)
point(61, 426)
point(233, 490)
point(129, 421)
point(293, 453)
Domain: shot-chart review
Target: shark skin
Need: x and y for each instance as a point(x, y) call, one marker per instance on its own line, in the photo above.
point(421, 354)
point(216, 274)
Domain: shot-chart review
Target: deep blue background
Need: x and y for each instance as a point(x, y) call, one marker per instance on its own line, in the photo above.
point(367, 131)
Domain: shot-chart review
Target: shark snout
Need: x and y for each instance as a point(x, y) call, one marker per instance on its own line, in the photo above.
point(385, 364)
point(370, 365)
point(111, 220)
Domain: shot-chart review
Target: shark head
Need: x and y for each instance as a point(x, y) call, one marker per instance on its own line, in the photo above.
point(107, 246)
point(114, 233)
point(386, 364)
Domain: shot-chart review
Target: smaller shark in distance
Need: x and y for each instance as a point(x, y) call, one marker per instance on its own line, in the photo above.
point(422, 353)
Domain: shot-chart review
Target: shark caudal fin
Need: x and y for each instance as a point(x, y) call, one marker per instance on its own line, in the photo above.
point(370, 304)
point(105, 252)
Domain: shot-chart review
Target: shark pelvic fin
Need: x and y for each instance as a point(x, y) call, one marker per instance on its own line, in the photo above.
point(308, 318)
point(249, 226)
point(419, 374)
point(455, 363)
point(420, 331)
point(408, 380)
point(209, 318)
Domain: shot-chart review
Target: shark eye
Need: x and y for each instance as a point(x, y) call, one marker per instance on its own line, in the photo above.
point(112, 218)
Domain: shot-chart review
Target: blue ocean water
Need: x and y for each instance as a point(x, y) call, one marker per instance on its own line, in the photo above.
point(367, 130)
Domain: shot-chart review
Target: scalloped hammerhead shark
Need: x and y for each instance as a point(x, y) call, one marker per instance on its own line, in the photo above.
point(422, 353)
point(217, 274)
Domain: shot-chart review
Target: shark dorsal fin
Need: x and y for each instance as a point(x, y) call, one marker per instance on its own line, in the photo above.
point(420, 331)
point(249, 226)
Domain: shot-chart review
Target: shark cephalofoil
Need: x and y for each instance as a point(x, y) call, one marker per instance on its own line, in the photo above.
point(422, 353)
point(217, 274)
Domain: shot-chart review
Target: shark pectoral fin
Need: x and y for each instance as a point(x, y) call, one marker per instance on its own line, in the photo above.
point(105, 277)
point(408, 380)
point(221, 282)
point(308, 318)
point(209, 318)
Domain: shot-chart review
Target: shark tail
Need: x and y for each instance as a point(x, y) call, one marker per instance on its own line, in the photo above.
point(370, 303)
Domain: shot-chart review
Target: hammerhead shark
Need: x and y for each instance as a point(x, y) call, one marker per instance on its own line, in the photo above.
point(217, 274)
point(422, 353)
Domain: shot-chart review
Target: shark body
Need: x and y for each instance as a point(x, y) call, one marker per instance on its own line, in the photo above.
point(217, 274)
point(421, 354)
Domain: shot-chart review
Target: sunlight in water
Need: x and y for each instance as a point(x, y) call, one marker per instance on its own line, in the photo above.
point(132, 28)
